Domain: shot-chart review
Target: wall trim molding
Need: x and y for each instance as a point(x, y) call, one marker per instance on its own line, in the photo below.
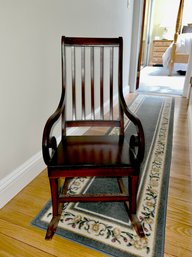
point(19, 178)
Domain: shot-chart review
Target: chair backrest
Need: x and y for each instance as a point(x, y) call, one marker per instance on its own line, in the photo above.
point(92, 82)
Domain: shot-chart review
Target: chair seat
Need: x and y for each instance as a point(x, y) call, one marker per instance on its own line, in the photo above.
point(92, 152)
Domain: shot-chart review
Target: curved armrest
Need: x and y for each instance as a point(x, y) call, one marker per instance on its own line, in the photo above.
point(139, 140)
point(49, 142)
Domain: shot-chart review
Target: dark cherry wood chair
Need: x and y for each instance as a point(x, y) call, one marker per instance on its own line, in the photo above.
point(91, 77)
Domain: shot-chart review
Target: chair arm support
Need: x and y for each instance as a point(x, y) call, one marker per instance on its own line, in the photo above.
point(140, 138)
point(49, 142)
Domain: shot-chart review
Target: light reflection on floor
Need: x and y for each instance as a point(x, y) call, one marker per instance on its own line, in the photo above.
point(156, 80)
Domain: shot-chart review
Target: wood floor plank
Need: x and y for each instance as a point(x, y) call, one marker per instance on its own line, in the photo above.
point(182, 189)
point(179, 210)
point(175, 249)
point(180, 228)
point(178, 239)
point(34, 237)
point(168, 255)
point(10, 247)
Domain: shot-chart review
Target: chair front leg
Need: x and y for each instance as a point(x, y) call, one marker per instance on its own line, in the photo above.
point(57, 209)
point(54, 195)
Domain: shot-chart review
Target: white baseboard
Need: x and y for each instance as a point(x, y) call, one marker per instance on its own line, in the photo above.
point(14, 182)
point(20, 177)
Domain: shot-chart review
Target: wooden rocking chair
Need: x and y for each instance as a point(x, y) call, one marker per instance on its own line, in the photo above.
point(92, 76)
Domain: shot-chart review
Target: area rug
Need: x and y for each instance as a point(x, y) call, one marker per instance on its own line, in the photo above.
point(105, 226)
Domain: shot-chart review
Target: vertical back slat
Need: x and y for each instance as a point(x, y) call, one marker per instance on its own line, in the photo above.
point(101, 81)
point(120, 82)
point(92, 83)
point(73, 64)
point(111, 81)
point(63, 67)
point(83, 80)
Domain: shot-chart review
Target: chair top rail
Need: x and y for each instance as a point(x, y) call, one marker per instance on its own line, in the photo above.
point(95, 42)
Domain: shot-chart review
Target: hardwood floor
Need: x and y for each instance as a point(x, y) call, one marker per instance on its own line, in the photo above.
point(19, 238)
point(178, 240)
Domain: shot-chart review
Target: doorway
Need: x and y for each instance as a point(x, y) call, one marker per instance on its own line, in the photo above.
point(156, 36)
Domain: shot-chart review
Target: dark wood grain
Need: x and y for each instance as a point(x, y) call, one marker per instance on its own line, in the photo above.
point(106, 155)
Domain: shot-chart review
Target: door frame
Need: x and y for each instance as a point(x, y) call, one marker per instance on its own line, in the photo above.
point(141, 44)
point(187, 84)
point(135, 42)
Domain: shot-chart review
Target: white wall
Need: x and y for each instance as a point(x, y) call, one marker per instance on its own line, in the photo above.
point(135, 44)
point(30, 63)
point(187, 12)
point(169, 9)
